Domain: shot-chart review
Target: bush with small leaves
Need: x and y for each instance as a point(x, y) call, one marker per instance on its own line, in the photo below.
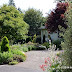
point(58, 43)
point(5, 44)
point(46, 44)
point(9, 57)
point(13, 63)
point(34, 39)
point(6, 57)
point(18, 58)
point(29, 39)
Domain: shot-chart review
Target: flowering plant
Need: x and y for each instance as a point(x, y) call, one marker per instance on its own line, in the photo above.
point(51, 65)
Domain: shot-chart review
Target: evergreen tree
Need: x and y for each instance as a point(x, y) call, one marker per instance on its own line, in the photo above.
point(11, 2)
point(5, 44)
point(20, 10)
point(67, 44)
point(34, 18)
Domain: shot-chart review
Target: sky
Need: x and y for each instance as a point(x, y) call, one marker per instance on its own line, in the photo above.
point(43, 5)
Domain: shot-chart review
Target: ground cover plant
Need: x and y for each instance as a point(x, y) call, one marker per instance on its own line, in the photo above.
point(14, 56)
point(58, 43)
point(27, 47)
point(46, 44)
point(8, 55)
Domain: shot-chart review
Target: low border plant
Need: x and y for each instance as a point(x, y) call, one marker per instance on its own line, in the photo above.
point(51, 65)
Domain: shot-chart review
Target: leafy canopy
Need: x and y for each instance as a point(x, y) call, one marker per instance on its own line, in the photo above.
point(56, 17)
point(11, 2)
point(12, 24)
point(34, 18)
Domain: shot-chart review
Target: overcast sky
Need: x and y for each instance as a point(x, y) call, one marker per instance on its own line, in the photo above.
point(44, 5)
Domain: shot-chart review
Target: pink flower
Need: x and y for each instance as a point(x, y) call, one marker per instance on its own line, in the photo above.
point(41, 66)
point(50, 64)
point(43, 69)
point(46, 61)
point(48, 58)
point(45, 65)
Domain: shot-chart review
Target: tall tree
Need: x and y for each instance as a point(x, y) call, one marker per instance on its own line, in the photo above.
point(67, 44)
point(60, 0)
point(55, 18)
point(12, 24)
point(20, 10)
point(11, 2)
point(34, 18)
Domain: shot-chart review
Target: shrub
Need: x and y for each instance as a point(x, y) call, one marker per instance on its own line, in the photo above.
point(0, 43)
point(18, 52)
point(39, 47)
point(52, 65)
point(25, 49)
point(18, 55)
point(29, 39)
point(31, 47)
point(38, 39)
point(13, 63)
point(67, 70)
point(16, 46)
point(19, 47)
point(57, 43)
point(35, 46)
point(10, 59)
point(5, 57)
point(34, 39)
point(0, 46)
point(46, 44)
point(18, 58)
point(5, 44)
point(20, 41)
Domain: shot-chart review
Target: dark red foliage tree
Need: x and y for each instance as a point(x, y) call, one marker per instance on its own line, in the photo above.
point(56, 17)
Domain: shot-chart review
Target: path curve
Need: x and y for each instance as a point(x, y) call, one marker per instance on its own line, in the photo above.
point(35, 59)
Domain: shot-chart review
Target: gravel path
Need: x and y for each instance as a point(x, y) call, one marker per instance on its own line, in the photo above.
point(10, 68)
point(35, 59)
point(32, 63)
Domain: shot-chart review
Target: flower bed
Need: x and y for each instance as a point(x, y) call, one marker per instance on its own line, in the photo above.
point(51, 65)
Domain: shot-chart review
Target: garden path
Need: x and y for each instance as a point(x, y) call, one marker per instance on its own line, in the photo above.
point(35, 59)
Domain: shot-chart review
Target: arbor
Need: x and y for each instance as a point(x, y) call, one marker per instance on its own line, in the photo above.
point(56, 17)
point(12, 24)
point(11, 2)
point(34, 18)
